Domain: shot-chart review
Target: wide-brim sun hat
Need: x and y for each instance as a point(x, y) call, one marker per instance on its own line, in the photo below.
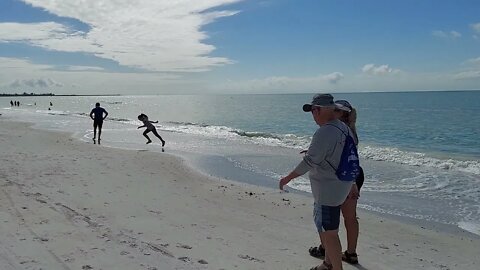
point(319, 100)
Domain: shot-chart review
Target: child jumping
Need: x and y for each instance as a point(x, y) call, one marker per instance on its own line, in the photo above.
point(148, 124)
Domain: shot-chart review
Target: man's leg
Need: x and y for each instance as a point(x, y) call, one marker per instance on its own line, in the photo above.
point(100, 124)
point(327, 221)
point(333, 249)
point(94, 130)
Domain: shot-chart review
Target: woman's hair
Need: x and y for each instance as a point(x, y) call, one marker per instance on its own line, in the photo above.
point(142, 116)
point(352, 121)
point(349, 118)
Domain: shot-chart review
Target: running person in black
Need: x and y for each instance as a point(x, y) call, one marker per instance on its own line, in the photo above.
point(150, 127)
point(97, 116)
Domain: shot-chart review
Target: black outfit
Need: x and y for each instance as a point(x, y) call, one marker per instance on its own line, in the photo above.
point(360, 179)
point(98, 116)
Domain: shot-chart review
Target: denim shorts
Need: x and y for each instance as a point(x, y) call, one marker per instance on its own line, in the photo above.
point(326, 218)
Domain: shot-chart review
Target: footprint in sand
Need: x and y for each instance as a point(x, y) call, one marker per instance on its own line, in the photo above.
point(202, 261)
point(184, 259)
point(184, 246)
point(247, 257)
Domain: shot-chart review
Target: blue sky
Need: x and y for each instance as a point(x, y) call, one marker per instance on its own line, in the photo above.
point(235, 46)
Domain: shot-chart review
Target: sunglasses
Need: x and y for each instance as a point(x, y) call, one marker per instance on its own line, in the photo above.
point(315, 108)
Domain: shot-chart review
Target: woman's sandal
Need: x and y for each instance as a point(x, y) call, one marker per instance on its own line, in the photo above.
point(323, 266)
point(351, 258)
point(317, 252)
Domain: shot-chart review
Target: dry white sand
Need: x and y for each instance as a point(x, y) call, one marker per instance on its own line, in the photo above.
point(66, 204)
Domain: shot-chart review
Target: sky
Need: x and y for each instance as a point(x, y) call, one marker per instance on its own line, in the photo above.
point(238, 46)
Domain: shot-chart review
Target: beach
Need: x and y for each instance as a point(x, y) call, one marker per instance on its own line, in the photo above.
point(67, 204)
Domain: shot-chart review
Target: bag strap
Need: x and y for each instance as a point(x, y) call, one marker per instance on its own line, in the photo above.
point(346, 134)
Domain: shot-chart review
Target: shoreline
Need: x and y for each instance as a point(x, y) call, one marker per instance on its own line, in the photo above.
point(231, 173)
point(66, 204)
point(218, 166)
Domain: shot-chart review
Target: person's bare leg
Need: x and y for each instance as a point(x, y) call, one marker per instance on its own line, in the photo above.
point(99, 132)
point(333, 248)
point(349, 211)
point(158, 136)
point(94, 133)
point(146, 136)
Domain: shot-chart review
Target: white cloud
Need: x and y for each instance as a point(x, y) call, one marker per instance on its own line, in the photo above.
point(379, 70)
point(35, 83)
point(7, 63)
point(334, 77)
point(11, 64)
point(95, 82)
point(455, 34)
point(32, 31)
point(84, 68)
point(475, 61)
point(151, 35)
point(446, 34)
point(282, 84)
point(476, 27)
point(26, 74)
point(467, 75)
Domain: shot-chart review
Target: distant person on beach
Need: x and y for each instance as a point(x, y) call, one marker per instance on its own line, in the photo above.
point(328, 191)
point(347, 114)
point(148, 124)
point(11, 103)
point(98, 114)
point(51, 104)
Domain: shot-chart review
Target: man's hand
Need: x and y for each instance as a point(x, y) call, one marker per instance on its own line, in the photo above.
point(283, 182)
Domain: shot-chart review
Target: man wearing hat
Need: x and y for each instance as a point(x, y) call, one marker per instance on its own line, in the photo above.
point(328, 191)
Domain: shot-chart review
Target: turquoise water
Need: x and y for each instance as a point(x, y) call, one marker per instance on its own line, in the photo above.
point(434, 122)
point(420, 150)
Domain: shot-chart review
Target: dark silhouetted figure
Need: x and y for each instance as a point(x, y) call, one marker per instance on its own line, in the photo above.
point(97, 115)
point(148, 124)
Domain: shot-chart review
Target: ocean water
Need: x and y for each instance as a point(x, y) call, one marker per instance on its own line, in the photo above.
point(420, 151)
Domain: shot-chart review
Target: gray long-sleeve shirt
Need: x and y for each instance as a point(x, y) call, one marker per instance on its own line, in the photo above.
point(327, 144)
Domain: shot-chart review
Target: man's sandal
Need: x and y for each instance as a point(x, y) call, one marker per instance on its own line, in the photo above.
point(323, 266)
point(351, 258)
point(317, 252)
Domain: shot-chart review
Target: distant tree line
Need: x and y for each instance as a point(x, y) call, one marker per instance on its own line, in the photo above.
point(26, 94)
